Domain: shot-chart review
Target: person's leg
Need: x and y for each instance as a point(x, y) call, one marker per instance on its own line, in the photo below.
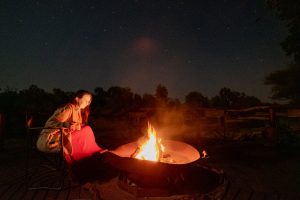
point(84, 144)
point(89, 144)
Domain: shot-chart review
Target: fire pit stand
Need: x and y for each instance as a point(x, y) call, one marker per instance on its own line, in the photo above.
point(196, 181)
point(185, 176)
point(129, 186)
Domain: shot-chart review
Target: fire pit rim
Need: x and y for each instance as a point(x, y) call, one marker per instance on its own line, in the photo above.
point(188, 153)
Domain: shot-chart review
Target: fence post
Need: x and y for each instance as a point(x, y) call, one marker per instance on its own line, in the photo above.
point(223, 123)
point(2, 127)
point(271, 131)
point(272, 116)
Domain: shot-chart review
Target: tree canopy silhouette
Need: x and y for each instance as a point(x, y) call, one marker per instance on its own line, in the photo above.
point(196, 99)
point(285, 84)
point(116, 101)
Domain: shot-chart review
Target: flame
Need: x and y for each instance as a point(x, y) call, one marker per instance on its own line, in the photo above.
point(204, 154)
point(152, 148)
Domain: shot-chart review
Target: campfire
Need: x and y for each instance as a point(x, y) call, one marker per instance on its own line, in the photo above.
point(152, 166)
point(152, 148)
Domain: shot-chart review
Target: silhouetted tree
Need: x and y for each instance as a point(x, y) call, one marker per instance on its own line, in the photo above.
point(137, 101)
point(174, 103)
point(120, 99)
point(37, 100)
point(226, 98)
point(246, 101)
point(60, 97)
point(148, 101)
point(233, 99)
point(196, 99)
point(9, 100)
point(11, 110)
point(100, 98)
point(289, 11)
point(161, 94)
point(284, 82)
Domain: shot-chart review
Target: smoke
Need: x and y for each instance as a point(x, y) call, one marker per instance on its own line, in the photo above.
point(174, 123)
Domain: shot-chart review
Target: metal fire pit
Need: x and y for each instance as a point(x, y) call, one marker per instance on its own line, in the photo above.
point(180, 152)
point(145, 178)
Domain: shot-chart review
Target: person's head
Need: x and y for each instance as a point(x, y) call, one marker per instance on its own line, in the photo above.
point(83, 98)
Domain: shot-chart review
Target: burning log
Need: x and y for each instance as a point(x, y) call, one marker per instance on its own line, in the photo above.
point(139, 154)
point(175, 152)
point(149, 147)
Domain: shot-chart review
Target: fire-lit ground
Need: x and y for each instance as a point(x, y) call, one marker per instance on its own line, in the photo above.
point(251, 166)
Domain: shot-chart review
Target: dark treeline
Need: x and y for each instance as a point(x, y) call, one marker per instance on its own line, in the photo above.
point(116, 101)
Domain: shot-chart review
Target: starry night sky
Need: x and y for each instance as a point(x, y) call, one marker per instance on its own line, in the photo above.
point(184, 45)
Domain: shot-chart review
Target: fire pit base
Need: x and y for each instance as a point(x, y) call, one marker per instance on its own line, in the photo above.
point(140, 191)
point(196, 181)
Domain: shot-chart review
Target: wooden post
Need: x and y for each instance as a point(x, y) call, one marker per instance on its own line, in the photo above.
point(271, 131)
point(2, 125)
point(223, 123)
point(272, 116)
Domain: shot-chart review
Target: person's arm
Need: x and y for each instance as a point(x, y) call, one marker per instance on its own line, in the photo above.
point(60, 118)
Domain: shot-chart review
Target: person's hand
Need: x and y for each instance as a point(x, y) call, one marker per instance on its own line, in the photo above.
point(74, 126)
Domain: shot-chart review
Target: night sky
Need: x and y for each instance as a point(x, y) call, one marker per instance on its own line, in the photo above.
point(184, 45)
